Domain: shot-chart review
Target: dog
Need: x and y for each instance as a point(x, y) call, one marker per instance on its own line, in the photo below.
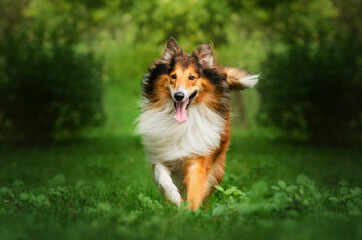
point(185, 121)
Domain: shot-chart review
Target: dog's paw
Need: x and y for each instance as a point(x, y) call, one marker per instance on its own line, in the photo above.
point(174, 196)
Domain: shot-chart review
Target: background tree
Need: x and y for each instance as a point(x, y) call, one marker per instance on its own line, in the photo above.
point(311, 88)
point(48, 88)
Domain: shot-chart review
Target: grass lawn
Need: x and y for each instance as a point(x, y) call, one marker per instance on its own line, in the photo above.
point(101, 187)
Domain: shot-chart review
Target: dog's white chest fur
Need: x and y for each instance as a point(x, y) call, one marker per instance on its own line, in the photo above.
point(166, 140)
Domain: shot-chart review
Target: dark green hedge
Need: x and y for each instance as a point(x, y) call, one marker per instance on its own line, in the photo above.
point(48, 89)
point(314, 89)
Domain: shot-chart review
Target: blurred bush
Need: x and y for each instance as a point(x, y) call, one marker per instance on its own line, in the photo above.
point(126, 61)
point(49, 88)
point(312, 88)
point(311, 68)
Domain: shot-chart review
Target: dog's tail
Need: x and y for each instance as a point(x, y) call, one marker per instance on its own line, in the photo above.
point(238, 79)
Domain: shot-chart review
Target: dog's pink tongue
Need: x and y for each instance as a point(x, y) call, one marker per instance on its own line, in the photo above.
point(181, 114)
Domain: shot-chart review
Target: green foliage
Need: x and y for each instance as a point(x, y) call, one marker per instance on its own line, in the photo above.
point(48, 88)
point(312, 89)
point(142, 215)
point(126, 62)
point(308, 93)
point(347, 197)
point(129, 35)
point(191, 20)
point(281, 200)
point(148, 202)
point(58, 179)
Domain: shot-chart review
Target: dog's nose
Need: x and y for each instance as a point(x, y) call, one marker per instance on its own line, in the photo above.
point(179, 96)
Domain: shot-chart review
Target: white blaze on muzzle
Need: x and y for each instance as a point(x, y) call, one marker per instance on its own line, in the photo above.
point(181, 113)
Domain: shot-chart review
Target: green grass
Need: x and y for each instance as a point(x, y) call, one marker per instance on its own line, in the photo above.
point(100, 187)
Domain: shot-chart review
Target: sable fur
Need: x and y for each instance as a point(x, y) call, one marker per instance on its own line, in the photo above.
point(188, 155)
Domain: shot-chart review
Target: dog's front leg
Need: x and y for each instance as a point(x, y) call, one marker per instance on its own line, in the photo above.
point(162, 177)
point(197, 185)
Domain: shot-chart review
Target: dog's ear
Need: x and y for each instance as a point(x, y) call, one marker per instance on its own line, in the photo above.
point(170, 50)
point(204, 55)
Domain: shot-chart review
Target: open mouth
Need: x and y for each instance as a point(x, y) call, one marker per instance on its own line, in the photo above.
point(181, 107)
point(193, 95)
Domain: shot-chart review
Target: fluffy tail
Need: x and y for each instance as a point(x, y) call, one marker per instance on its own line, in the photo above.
point(239, 79)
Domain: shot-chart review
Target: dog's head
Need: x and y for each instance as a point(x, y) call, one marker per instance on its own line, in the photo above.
point(184, 79)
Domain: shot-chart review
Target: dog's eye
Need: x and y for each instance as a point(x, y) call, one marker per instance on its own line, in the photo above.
point(173, 76)
point(192, 78)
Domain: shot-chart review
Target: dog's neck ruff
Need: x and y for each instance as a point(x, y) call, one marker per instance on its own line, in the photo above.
point(167, 140)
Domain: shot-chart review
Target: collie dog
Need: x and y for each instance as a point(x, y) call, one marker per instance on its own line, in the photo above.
point(185, 121)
